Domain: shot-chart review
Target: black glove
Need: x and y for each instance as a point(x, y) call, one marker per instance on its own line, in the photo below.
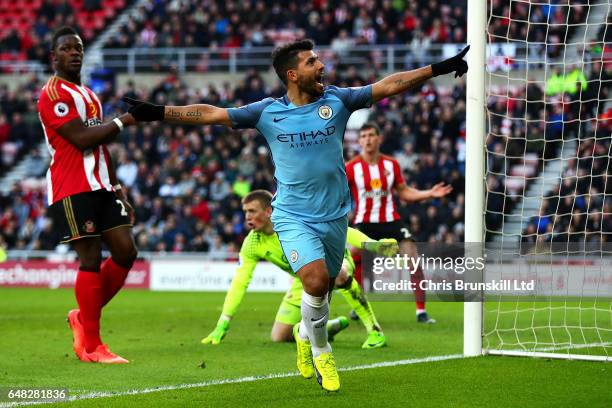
point(455, 64)
point(144, 111)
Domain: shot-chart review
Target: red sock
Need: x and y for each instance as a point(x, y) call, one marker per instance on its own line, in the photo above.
point(419, 294)
point(112, 277)
point(89, 297)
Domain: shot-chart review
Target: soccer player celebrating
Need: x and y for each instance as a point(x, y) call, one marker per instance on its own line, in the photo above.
point(373, 177)
point(262, 244)
point(86, 202)
point(304, 130)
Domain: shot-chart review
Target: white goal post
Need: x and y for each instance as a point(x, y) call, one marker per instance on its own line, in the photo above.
point(475, 157)
point(539, 174)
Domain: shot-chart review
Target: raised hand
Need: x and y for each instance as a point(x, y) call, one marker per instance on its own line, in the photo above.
point(144, 111)
point(440, 190)
point(455, 64)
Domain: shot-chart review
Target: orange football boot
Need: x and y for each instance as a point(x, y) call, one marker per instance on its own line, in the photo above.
point(103, 355)
point(78, 334)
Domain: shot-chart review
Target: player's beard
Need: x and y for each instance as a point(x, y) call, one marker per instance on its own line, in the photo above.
point(310, 87)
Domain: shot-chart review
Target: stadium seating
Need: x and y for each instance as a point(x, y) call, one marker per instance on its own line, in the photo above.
point(181, 178)
point(260, 22)
point(20, 18)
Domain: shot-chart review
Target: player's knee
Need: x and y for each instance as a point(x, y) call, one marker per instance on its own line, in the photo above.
point(281, 336)
point(315, 279)
point(127, 257)
point(316, 285)
point(408, 247)
point(90, 263)
point(131, 256)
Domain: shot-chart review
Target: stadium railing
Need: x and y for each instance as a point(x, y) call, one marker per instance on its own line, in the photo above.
point(232, 60)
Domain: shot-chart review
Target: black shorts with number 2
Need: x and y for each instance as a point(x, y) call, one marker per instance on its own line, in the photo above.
point(88, 214)
point(394, 229)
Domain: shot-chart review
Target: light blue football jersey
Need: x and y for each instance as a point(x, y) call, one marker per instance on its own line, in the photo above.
point(306, 145)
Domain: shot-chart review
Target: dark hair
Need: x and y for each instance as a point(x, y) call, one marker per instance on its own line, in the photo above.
point(263, 196)
point(61, 32)
point(285, 58)
point(370, 125)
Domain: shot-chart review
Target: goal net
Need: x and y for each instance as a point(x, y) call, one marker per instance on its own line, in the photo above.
point(548, 184)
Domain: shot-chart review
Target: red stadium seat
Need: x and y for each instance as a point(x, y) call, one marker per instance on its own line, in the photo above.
point(99, 15)
point(110, 13)
point(81, 15)
point(23, 27)
point(24, 19)
point(35, 4)
point(20, 5)
point(11, 14)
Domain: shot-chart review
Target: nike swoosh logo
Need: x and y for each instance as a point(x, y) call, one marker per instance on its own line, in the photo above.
point(317, 319)
point(279, 119)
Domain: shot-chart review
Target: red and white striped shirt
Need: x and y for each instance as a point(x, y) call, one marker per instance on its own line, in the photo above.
point(371, 186)
point(71, 171)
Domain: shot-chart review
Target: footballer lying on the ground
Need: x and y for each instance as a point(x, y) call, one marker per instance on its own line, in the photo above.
point(262, 244)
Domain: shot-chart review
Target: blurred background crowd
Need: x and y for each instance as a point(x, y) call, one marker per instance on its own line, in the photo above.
point(186, 183)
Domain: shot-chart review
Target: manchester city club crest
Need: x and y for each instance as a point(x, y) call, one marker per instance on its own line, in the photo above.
point(325, 112)
point(294, 256)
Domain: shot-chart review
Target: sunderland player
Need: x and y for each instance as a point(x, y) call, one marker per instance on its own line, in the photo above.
point(86, 202)
point(304, 130)
point(373, 178)
point(262, 244)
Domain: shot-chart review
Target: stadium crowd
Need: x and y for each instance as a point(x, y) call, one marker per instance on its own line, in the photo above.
point(343, 23)
point(537, 123)
point(186, 182)
point(547, 25)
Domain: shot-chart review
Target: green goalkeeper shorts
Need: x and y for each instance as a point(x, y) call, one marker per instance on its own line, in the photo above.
point(289, 311)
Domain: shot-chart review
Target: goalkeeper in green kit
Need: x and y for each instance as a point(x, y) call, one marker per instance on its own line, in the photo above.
point(262, 244)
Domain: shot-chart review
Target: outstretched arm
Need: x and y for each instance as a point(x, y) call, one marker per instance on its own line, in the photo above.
point(412, 195)
point(402, 81)
point(233, 298)
point(197, 115)
point(201, 114)
point(384, 247)
point(84, 137)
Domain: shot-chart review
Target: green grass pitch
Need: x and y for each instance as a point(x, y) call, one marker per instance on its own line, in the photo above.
point(160, 333)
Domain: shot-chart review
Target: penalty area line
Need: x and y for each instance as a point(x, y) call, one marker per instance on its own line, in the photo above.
point(239, 380)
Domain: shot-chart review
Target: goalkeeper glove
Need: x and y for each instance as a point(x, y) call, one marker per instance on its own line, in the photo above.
point(385, 247)
point(144, 111)
point(219, 333)
point(455, 64)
